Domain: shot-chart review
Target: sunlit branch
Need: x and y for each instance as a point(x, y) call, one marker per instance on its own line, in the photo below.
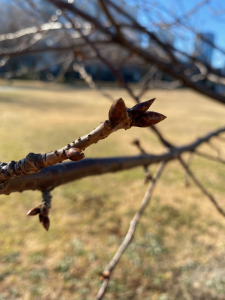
point(120, 117)
point(133, 223)
point(202, 188)
point(62, 173)
point(78, 67)
point(210, 157)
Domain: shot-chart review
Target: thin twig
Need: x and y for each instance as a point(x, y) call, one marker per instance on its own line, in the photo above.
point(221, 138)
point(210, 157)
point(65, 66)
point(130, 232)
point(215, 148)
point(105, 61)
point(186, 178)
point(148, 176)
point(80, 68)
point(201, 187)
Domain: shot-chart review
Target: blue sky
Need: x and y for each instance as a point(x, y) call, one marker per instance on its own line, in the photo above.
point(204, 20)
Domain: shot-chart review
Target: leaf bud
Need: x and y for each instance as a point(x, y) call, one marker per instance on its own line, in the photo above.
point(137, 110)
point(74, 154)
point(147, 119)
point(46, 223)
point(117, 112)
point(33, 211)
point(104, 275)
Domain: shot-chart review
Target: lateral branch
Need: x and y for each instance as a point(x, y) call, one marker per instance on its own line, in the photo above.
point(130, 233)
point(120, 117)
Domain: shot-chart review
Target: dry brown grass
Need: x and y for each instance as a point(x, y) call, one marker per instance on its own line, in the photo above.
point(178, 248)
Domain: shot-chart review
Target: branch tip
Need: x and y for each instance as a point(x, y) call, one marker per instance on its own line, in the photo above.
point(148, 118)
point(34, 211)
point(142, 107)
point(46, 223)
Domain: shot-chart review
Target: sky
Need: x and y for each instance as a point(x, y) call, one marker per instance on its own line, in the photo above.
point(209, 18)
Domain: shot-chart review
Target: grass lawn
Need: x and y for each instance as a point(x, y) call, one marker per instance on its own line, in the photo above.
point(179, 247)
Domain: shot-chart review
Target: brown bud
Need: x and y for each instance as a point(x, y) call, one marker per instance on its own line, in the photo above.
point(46, 223)
point(136, 142)
point(148, 119)
point(33, 211)
point(140, 108)
point(74, 154)
point(41, 218)
point(117, 112)
point(104, 275)
point(44, 210)
point(148, 177)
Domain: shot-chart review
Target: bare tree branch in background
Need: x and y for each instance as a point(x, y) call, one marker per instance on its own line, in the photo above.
point(88, 79)
point(202, 189)
point(133, 223)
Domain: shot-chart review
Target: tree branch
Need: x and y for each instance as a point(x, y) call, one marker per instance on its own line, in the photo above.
point(169, 68)
point(148, 176)
point(108, 271)
point(210, 157)
point(54, 176)
point(120, 117)
point(202, 189)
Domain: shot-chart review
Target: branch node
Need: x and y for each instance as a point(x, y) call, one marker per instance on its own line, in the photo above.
point(104, 275)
